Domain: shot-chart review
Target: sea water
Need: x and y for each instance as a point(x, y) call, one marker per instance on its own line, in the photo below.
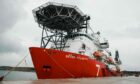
point(18, 75)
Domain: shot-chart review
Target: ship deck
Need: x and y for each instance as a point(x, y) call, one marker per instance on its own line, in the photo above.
point(106, 80)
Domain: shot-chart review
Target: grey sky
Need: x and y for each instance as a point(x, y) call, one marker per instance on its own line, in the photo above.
point(118, 21)
point(11, 10)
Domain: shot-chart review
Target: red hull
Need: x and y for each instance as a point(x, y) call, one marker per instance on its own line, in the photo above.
point(50, 63)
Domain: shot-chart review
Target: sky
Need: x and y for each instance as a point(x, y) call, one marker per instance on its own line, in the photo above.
point(117, 20)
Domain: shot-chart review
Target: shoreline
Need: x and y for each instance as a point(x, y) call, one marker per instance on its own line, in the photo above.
point(24, 69)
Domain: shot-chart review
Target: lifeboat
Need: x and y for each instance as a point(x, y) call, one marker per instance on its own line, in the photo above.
point(98, 54)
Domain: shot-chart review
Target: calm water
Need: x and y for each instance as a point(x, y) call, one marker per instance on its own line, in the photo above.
point(19, 75)
point(106, 80)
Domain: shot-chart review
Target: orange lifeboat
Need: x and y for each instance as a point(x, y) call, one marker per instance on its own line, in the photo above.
point(98, 54)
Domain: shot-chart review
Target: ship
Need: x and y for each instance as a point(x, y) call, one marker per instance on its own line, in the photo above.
point(69, 47)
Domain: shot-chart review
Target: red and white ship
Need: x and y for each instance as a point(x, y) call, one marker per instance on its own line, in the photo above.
point(69, 47)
